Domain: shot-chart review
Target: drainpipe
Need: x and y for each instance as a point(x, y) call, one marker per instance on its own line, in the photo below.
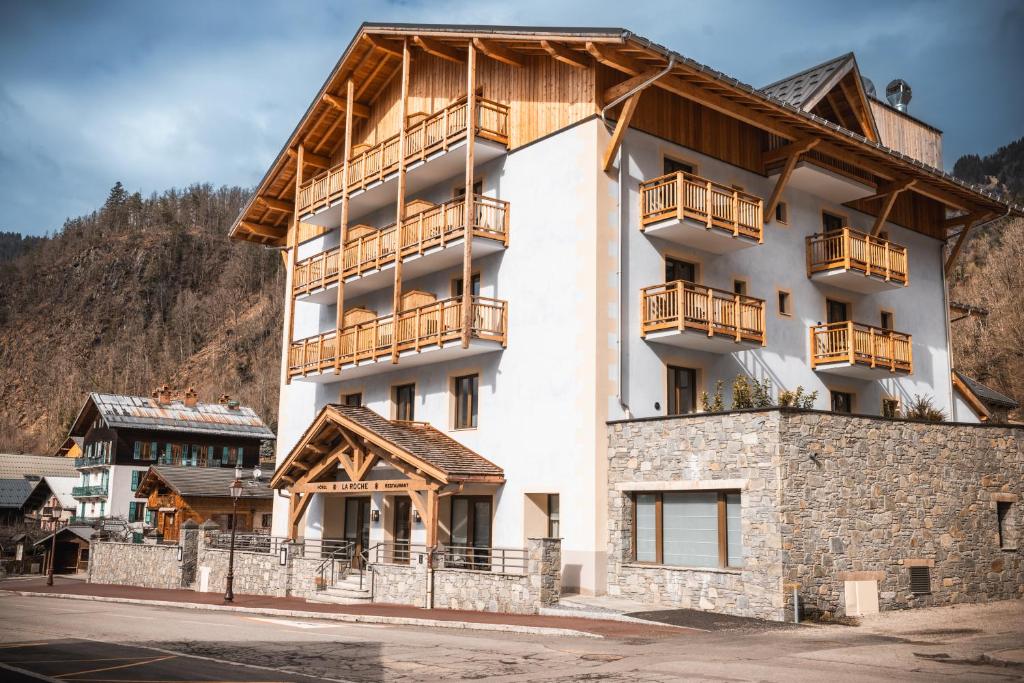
point(622, 392)
point(945, 301)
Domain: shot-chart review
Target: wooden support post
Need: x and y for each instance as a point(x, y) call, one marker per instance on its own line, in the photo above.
point(621, 126)
point(890, 201)
point(343, 230)
point(959, 244)
point(403, 115)
point(292, 245)
point(467, 211)
point(794, 150)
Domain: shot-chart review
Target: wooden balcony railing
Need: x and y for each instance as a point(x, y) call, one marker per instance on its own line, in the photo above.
point(428, 229)
point(682, 305)
point(853, 250)
point(684, 195)
point(857, 344)
point(432, 324)
point(435, 132)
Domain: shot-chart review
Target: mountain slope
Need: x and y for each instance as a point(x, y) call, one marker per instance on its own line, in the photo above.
point(139, 293)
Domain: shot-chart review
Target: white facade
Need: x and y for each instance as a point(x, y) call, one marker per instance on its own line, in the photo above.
point(117, 483)
point(545, 398)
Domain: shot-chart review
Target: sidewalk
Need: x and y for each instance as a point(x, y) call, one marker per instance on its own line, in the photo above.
point(376, 614)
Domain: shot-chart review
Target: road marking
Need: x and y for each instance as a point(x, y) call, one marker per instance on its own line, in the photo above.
point(10, 646)
point(29, 674)
point(304, 624)
point(152, 660)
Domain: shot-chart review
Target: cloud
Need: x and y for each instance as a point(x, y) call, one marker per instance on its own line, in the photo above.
point(164, 94)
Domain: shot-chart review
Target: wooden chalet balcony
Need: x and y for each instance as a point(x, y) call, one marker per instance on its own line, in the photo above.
point(431, 135)
point(693, 316)
point(422, 240)
point(857, 261)
point(861, 351)
point(435, 327)
point(694, 211)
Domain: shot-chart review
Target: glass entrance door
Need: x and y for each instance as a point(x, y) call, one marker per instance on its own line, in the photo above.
point(471, 531)
point(402, 529)
point(357, 526)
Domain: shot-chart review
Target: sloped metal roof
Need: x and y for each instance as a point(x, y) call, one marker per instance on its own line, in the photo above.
point(206, 482)
point(14, 492)
point(14, 466)
point(61, 488)
point(801, 89)
point(140, 412)
point(986, 393)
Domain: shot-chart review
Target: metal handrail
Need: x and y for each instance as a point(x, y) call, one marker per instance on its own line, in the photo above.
point(342, 553)
point(500, 560)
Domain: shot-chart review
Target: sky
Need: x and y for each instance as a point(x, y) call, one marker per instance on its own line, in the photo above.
point(165, 94)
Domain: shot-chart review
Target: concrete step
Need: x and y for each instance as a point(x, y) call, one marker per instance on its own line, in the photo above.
point(326, 596)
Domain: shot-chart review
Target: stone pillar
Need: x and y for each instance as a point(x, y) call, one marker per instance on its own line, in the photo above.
point(544, 567)
point(188, 539)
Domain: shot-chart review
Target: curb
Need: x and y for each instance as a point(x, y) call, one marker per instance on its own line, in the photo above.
point(329, 616)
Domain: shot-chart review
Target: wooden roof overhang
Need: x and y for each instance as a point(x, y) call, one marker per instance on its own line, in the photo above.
point(372, 59)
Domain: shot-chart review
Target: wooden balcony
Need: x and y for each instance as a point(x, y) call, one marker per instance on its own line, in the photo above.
point(856, 261)
point(693, 316)
point(424, 239)
point(860, 351)
point(365, 347)
point(428, 138)
point(699, 213)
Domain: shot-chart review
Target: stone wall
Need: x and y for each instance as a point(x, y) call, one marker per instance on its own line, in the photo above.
point(825, 498)
point(399, 584)
point(733, 451)
point(135, 564)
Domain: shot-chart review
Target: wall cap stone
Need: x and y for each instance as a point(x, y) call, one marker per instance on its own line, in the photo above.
point(674, 568)
point(683, 485)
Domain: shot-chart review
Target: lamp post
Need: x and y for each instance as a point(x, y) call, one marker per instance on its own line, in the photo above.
point(236, 493)
point(55, 516)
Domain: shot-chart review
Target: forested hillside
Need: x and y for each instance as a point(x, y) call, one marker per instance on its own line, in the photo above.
point(143, 291)
point(990, 274)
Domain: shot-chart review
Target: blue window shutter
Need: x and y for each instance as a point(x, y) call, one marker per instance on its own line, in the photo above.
point(138, 450)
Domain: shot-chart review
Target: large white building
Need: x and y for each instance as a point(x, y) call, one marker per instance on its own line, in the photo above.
point(643, 229)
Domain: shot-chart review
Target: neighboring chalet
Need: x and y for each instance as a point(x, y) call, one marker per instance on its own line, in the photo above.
point(989, 405)
point(50, 504)
point(123, 436)
point(176, 495)
point(516, 259)
point(21, 477)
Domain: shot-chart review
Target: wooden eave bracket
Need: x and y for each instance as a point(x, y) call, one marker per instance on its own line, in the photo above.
point(619, 89)
point(391, 47)
point(497, 52)
point(262, 229)
point(973, 219)
point(275, 204)
point(893, 191)
point(621, 126)
point(311, 159)
point(563, 54)
point(437, 49)
point(791, 153)
point(360, 110)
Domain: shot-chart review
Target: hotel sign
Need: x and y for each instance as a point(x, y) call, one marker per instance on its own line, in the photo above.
point(371, 486)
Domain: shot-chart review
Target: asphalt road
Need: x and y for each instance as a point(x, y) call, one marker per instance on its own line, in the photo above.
point(72, 640)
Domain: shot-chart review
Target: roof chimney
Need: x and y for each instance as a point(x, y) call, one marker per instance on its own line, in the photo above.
point(191, 398)
point(163, 394)
point(898, 93)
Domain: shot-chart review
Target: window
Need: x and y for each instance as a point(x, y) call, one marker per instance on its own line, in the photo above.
point(682, 390)
point(457, 285)
point(404, 398)
point(266, 520)
point(886, 320)
point(688, 528)
point(150, 514)
point(211, 457)
point(782, 212)
point(920, 580)
point(739, 287)
point(785, 305)
point(831, 222)
point(460, 190)
point(837, 311)
point(674, 165)
point(554, 516)
point(136, 478)
point(466, 398)
point(355, 399)
point(890, 407)
point(680, 270)
point(136, 511)
point(842, 402)
point(1007, 527)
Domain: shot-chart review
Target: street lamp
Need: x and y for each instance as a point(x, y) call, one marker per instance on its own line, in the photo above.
point(55, 517)
point(236, 493)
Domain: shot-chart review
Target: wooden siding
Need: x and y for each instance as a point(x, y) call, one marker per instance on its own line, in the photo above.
point(199, 509)
point(903, 134)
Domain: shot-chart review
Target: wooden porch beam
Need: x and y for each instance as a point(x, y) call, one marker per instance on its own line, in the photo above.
point(373, 75)
point(498, 53)
point(403, 117)
point(276, 204)
point(786, 151)
point(563, 54)
point(467, 210)
point(621, 126)
point(298, 508)
point(795, 150)
point(886, 189)
point(391, 47)
point(311, 159)
point(890, 201)
point(619, 89)
point(360, 110)
point(263, 229)
point(438, 49)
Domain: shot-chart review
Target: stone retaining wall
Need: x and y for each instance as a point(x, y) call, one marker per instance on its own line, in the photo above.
point(399, 584)
point(135, 564)
point(826, 498)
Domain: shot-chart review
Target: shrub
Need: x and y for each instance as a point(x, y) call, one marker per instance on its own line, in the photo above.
point(922, 408)
point(713, 404)
point(797, 399)
point(741, 394)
